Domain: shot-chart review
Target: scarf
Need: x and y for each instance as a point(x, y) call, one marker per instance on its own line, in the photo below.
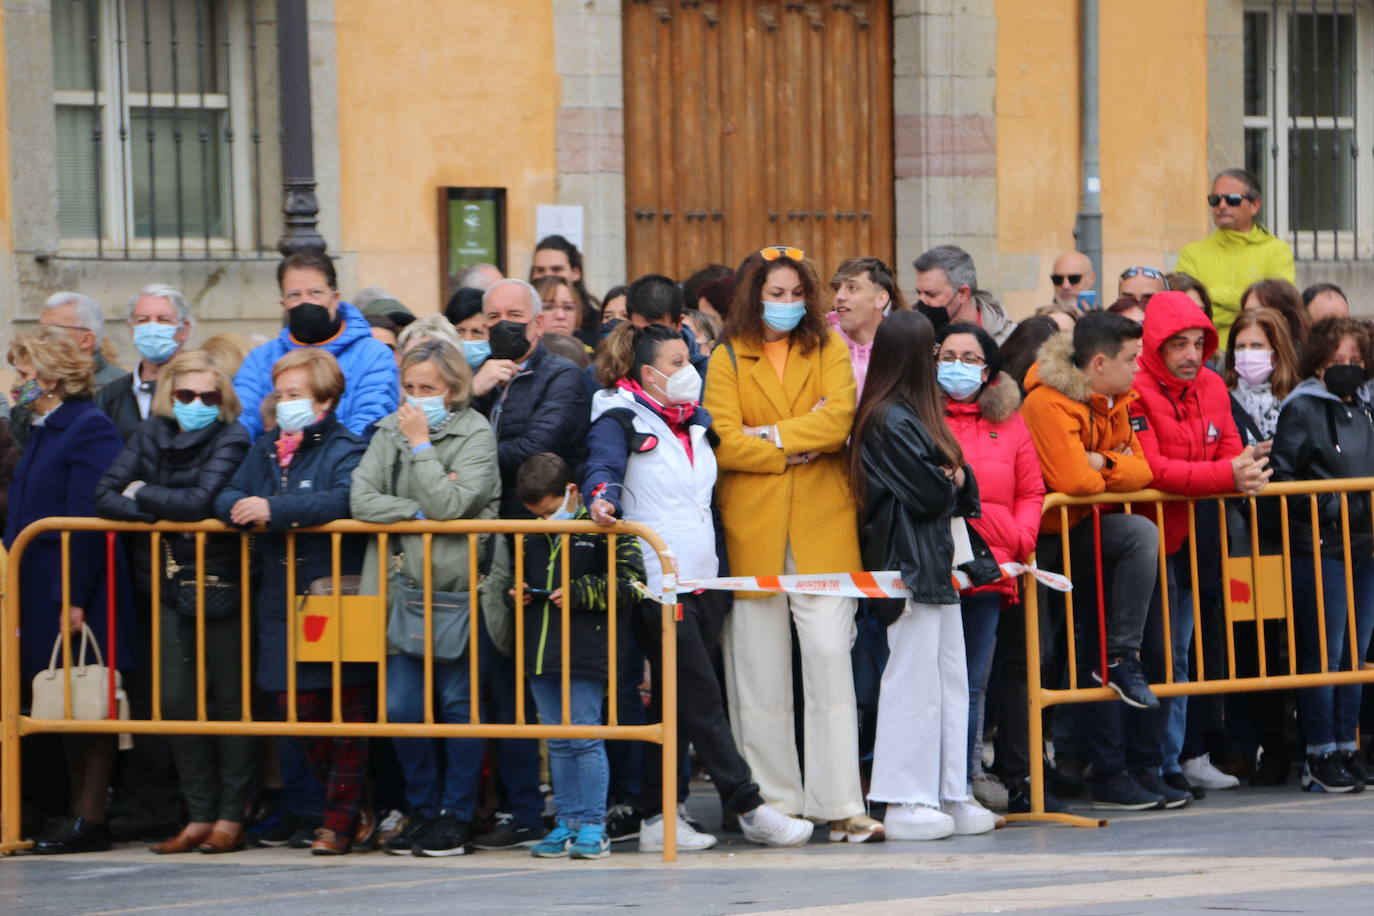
point(1260, 404)
point(675, 415)
point(287, 443)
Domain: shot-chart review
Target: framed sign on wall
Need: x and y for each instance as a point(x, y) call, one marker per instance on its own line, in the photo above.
point(472, 230)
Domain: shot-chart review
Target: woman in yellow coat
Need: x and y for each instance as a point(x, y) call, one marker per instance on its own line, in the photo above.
point(780, 390)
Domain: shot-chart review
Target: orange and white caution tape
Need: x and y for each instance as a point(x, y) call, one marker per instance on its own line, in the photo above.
point(887, 584)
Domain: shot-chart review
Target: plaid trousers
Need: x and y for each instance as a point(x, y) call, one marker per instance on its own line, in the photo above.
point(340, 764)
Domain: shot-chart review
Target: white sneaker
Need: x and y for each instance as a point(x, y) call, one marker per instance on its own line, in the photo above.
point(969, 817)
point(989, 791)
point(688, 840)
point(770, 827)
point(1200, 772)
point(917, 822)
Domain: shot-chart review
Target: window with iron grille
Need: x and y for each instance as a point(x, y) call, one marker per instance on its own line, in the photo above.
point(1308, 128)
point(157, 127)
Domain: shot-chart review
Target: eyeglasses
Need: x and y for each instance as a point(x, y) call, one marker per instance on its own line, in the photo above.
point(1150, 272)
point(208, 398)
point(1232, 200)
point(1058, 279)
point(950, 359)
point(773, 252)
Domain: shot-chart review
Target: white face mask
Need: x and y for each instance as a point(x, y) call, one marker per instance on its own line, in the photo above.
point(683, 386)
point(294, 415)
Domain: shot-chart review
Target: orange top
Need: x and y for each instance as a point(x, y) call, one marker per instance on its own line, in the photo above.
point(776, 351)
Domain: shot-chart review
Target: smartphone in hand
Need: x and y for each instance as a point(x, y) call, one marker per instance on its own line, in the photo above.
point(1087, 301)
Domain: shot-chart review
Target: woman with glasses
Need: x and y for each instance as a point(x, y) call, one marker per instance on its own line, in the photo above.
point(171, 470)
point(781, 391)
point(563, 307)
point(1326, 431)
point(981, 406)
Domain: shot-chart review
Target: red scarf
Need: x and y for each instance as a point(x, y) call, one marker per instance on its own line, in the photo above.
point(676, 415)
point(287, 443)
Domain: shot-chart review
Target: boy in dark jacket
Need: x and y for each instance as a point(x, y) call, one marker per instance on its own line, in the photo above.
point(579, 767)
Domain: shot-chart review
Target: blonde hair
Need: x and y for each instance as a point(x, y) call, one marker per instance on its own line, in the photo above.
point(433, 327)
point(56, 357)
point(326, 378)
point(449, 363)
point(228, 349)
point(196, 361)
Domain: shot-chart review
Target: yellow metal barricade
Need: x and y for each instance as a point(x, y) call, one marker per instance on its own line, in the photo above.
point(1249, 583)
point(338, 628)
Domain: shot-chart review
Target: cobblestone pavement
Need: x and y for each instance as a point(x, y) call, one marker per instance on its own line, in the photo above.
point(1267, 850)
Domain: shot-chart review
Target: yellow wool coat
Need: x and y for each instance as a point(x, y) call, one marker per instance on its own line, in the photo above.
point(764, 503)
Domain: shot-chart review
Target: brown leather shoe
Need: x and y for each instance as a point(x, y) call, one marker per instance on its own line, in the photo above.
point(187, 841)
point(328, 843)
point(365, 834)
point(231, 840)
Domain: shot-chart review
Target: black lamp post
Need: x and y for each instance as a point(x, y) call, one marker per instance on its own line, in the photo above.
point(300, 207)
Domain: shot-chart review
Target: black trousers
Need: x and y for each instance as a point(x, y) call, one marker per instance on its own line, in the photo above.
point(700, 705)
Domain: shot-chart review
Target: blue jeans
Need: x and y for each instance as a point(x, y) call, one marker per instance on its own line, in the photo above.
point(517, 759)
point(1329, 715)
point(1181, 638)
point(578, 766)
point(430, 785)
point(981, 614)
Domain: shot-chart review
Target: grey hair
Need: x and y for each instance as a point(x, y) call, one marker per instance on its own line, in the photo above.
point(429, 327)
point(1251, 180)
point(163, 291)
point(470, 277)
point(954, 261)
point(536, 304)
point(89, 314)
point(368, 295)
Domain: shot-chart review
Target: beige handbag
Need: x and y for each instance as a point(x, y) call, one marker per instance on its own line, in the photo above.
point(90, 686)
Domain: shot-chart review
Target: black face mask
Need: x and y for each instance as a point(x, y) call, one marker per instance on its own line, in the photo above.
point(609, 326)
point(939, 317)
point(507, 339)
point(1344, 381)
point(311, 324)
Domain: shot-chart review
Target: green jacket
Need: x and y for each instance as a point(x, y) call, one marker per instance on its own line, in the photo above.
point(1227, 262)
point(456, 478)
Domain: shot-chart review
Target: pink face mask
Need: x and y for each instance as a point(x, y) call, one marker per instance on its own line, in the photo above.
point(1254, 366)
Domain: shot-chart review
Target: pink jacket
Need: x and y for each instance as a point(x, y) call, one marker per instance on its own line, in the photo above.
point(858, 354)
point(998, 446)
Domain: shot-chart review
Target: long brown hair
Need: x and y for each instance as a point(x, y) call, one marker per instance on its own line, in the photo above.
point(901, 370)
point(1275, 329)
point(746, 310)
point(1284, 298)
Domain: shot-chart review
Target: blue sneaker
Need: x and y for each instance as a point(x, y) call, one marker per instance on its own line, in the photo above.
point(555, 844)
point(591, 842)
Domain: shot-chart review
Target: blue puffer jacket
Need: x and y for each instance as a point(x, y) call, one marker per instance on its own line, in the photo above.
point(372, 389)
point(313, 490)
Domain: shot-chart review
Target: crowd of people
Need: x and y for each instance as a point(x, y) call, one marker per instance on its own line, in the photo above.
point(764, 423)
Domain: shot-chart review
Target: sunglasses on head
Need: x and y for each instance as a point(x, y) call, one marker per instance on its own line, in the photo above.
point(773, 252)
point(208, 398)
point(1232, 200)
point(1058, 279)
point(1150, 272)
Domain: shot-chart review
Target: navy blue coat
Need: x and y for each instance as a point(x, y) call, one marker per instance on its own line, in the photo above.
point(313, 490)
point(63, 460)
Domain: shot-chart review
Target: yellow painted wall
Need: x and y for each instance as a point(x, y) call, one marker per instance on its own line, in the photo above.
point(451, 93)
point(1153, 134)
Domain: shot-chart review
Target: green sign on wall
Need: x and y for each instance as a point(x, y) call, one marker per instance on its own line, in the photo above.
point(472, 229)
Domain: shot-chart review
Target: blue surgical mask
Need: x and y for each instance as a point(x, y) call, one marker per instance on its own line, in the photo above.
point(294, 416)
point(195, 415)
point(436, 411)
point(783, 316)
point(155, 342)
point(566, 511)
point(476, 352)
point(959, 379)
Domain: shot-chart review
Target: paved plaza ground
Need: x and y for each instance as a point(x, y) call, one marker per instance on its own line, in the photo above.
point(1247, 851)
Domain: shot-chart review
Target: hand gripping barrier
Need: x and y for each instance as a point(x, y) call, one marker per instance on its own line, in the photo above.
point(334, 628)
point(1261, 609)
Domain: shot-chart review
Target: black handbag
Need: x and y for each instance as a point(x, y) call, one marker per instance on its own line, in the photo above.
point(221, 588)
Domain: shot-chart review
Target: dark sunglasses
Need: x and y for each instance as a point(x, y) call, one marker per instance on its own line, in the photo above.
point(1058, 279)
point(1232, 200)
point(1150, 272)
point(208, 398)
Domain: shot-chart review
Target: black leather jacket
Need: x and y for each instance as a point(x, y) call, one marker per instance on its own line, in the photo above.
point(904, 523)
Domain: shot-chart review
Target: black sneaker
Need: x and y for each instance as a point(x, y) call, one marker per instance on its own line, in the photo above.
point(1123, 793)
point(506, 833)
point(1149, 780)
point(303, 837)
point(1324, 773)
point(276, 834)
point(1355, 767)
point(1068, 776)
point(1019, 801)
point(1180, 782)
point(622, 823)
point(403, 843)
point(1126, 675)
point(446, 836)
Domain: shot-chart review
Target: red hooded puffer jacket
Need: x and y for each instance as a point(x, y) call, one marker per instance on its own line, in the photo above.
point(998, 447)
point(1185, 427)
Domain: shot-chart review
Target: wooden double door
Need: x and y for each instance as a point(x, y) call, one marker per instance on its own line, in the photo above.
point(756, 122)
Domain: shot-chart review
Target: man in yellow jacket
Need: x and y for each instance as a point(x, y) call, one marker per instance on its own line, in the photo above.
point(1239, 253)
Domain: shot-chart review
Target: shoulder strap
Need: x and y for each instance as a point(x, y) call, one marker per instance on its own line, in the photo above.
point(638, 442)
point(729, 348)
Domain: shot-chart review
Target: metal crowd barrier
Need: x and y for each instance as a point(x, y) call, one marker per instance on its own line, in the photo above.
point(361, 637)
point(1255, 588)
